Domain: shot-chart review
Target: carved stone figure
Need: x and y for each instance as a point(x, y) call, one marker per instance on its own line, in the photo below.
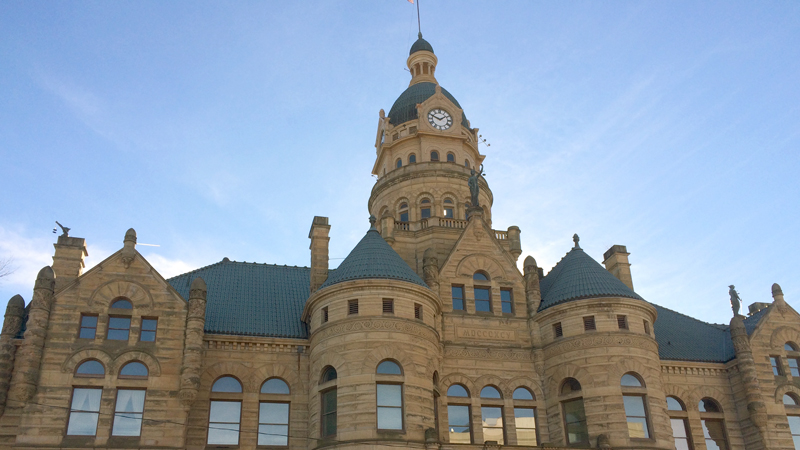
point(736, 302)
point(65, 230)
point(474, 188)
point(430, 269)
point(533, 295)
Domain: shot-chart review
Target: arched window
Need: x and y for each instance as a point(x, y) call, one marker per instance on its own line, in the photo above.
point(328, 403)
point(412, 158)
point(790, 347)
point(273, 413)
point(403, 212)
point(425, 208)
point(679, 420)
point(483, 294)
point(458, 415)
point(634, 398)
point(119, 326)
point(434, 155)
point(389, 389)
point(134, 369)
point(449, 211)
point(525, 417)
point(399, 163)
point(574, 413)
point(122, 303)
point(713, 423)
point(91, 368)
point(451, 158)
point(466, 163)
point(492, 415)
point(224, 416)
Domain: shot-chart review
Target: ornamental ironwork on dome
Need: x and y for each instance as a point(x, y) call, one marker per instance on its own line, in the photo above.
point(405, 107)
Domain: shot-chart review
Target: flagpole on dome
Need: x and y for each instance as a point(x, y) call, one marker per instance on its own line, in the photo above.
point(419, 25)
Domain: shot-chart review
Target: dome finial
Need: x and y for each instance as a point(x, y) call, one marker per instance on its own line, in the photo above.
point(576, 239)
point(372, 221)
point(419, 35)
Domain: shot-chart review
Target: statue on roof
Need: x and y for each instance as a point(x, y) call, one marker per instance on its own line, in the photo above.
point(474, 188)
point(736, 302)
point(65, 230)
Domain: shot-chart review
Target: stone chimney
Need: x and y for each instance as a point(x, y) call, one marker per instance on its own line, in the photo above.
point(319, 251)
point(68, 260)
point(616, 262)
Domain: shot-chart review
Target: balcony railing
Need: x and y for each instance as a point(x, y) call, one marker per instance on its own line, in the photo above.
point(441, 222)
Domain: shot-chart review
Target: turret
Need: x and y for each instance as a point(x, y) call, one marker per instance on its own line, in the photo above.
point(421, 62)
point(15, 312)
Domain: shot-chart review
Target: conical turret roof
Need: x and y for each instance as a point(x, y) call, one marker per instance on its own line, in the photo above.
point(578, 276)
point(373, 258)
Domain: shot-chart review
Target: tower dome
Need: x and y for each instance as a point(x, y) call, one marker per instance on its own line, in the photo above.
point(420, 45)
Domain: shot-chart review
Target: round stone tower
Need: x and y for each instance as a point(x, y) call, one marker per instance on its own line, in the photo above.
point(374, 349)
point(601, 362)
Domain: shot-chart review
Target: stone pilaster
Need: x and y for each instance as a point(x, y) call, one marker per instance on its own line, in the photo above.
point(29, 355)
point(193, 342)
point(15, 311)
point(756, 409)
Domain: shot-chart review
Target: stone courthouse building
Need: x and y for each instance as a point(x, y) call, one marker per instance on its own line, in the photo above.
point(427, 336)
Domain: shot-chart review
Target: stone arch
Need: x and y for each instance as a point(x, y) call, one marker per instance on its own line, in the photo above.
point(717, 394)
point(238, 370)
point(423, 195)
point(134, 355)
point(682, 394)
point(388, 352)
point(782, 335)
point(565, 371)
point(647, 374)
point(491, 380)
point(277, 370)
point(457, 378)
point(138, 295)
point(438, 151)
point(81, 355)
point(783, 389)
point(475, 262)
point(329, 359)
point(399, 202)
point(529, 383)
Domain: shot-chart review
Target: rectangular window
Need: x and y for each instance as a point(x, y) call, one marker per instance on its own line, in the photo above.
point(273, 424)
point(84, 412)
point(646, 327)
point(636, 414)
point(483, 302)
point(223, 422)
point(506, 301)
point(328, 422)
point(417, 311)
point(148, 333)
point(775, 361)
point(458, 298)
point(448, 213)
point(128, 413)
point(492, 420)
point(352, 307)
point(388, 306)
point(425, 213)
point(557, 331)
point(794, 367)
point(88, 327)
point(794, 428)
point(575, 422)
point(622, 322)
point(714, 434)
point(325, 314)
point(404, 216)
point(118, 328)
point(525, 420)
point(680, 432)
point(458, 418)
point(588, 323)
point(390, 407)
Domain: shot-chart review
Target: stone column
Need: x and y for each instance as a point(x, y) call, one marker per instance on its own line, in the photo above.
point(29, 356)
point(756, 408)
point(15, 311)
point(193, 343)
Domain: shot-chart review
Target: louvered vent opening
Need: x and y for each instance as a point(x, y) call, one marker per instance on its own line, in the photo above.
point(647, 327)
point(622, 322)
point(324, 314)
point(352, 307)
point(388, 306)
point(417, 311)
point(557, 331)
point(588, 323)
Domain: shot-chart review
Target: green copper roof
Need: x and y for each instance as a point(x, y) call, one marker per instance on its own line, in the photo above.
point(373, 258)
point(251, 299)
point(420, 45)
point(405, 107)
point(578, 276)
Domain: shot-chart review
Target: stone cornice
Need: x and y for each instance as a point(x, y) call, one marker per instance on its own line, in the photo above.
point(362, 325)
point(438, 170)
point(253, 343)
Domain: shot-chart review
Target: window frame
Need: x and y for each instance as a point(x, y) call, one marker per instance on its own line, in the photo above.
point(622, 322)
point(89, 375)
point(352, 307)
point(558, 331)
point(639, 392)
point(387, 306)
point(434, 155)
point(81, 327)
point(142, 330)
point(109, 328)
point(324, 396)
point(525, 404)
point(488, 301)
point(714, 417)
point(272, 398)
point(134, 377)
point(378, 406)
point(462, 298)
point(777, 367)
point(589, 323)
point(210, 423)
point(73, 411)
point(141, 414)
point(509, 302)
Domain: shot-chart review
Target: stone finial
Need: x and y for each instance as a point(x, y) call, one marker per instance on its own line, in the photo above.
point(776, 289)
point(15, 310)
point(16, 306)
point(372, 221)
point(198, 289)
point(129, 248)
point(576, 239)
point(529, 265)
point(46, 279)
point(777, 298)
point(130, 236)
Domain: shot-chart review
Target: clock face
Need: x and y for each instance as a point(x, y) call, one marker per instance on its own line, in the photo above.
point(440, 119)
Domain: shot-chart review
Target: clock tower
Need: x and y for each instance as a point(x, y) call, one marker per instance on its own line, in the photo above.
point(426, 151)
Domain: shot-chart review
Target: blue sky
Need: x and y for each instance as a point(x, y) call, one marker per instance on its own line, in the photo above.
point(219, 129)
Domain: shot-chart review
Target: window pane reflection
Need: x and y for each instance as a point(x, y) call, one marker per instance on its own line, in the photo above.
point(84, 412)
point(128, 413)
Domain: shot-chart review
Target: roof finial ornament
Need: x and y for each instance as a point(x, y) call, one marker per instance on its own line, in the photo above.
point(372, 221)
point(576, 239)
point(65, 230)
point(736, 302)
